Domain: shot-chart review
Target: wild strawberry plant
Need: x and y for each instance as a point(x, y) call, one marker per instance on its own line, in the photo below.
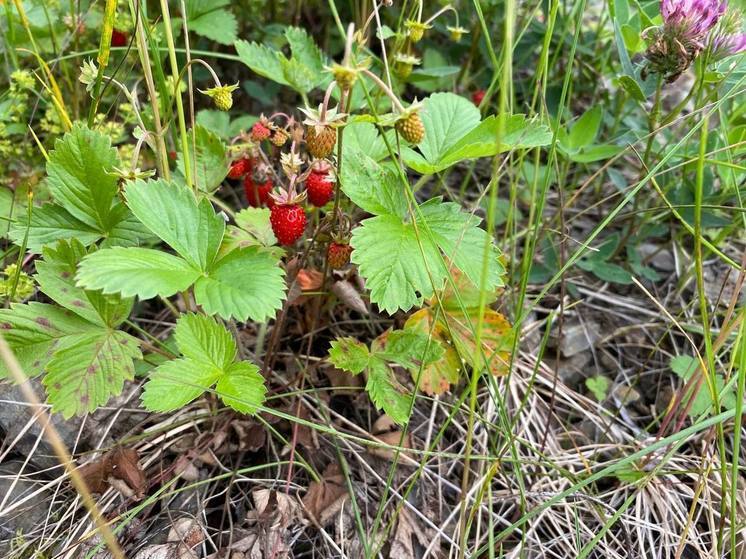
point(332, 183)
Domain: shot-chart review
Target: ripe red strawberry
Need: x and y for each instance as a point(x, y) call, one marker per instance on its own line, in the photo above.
point(260, 131)
point(319, 188)
point(477, 96)
point(118, 38)
point(338, 255)
point(257, 192)
point(239, 168)
point(288, 222)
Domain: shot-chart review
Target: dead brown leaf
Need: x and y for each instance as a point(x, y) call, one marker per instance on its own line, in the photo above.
point(386, 431)
point(349, 295)
point(119, 468)
point(325, 498)
point(402, 547)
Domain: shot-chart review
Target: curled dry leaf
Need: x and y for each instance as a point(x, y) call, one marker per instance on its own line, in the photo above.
point(326, 498)
point(402, 546)
point(386, 431)
point(184, 538)
point(350, 296)
point(119, 468)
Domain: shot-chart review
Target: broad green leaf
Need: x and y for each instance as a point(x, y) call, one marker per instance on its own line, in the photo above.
point(363, 137)
point(614, 273)
point(632, 87)
point(242, 387)
point(447, 117)
point(80, 177)
point(172, 213)
point(218, 25)
point(85, 373)
point(390, 258)
point(409, 348)
point(134, 271)
point(385, 392)
point(56, 278)
point(175, 383)
point(300, 77)
point(128, 232)
point(262, 60)
point(589, 154)
point(252, 229)
point(202, 339)
point(585, 129)
point(246, 284)
point(481, 141)
point(35, 330)
point(49, 224)
point(349, 354)
point(216, 121)
point(210, 164)
point(459, 237)
point(371, 186)
point(305, 51)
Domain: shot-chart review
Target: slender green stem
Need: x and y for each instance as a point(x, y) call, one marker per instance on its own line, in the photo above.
point(179, 104)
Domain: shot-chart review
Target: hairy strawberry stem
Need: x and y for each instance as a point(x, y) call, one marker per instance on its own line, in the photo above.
point(386, 89)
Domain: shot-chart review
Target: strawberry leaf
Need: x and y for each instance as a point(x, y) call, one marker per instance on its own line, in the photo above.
point(373, 187)
point(349, 354)
point(35, 331)
point(172, 213)
point(203, 340)
point(175, 383)
point(242, 387)
point(209, 351)
point(80, 177)
point(89, 369)
point(246, 284)
point(55, 275)
point(50, 223)
point(134, 271)
point(208, 159)
point(386, 393)
point(390, 258)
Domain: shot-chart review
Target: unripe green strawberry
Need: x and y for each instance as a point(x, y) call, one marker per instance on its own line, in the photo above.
point(222, 96)
point(411, 128)
point(320, 140)
point(288, 222)
point(338, 255)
